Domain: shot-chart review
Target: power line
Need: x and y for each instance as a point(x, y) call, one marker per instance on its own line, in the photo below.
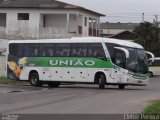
point(141, 17)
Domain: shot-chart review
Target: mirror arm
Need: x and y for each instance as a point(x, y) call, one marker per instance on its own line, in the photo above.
point(124, 50)
point(151, 54)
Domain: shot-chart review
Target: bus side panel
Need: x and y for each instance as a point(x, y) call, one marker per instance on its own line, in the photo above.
point(26, 72)
point(13, 68)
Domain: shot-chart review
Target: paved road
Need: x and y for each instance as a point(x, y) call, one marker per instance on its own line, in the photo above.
point(78, 99)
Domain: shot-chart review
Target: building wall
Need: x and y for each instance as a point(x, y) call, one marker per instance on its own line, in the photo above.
point(72, 23)
point(55, 21)
point(2, 65)
point(114, 31)
point(23, 28)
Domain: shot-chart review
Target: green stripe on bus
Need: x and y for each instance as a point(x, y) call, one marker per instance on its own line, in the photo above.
point(69, 62)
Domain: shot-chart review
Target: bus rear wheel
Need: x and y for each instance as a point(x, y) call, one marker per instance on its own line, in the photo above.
point(102, 81)
point(34, 80)
point(121, 86)
point(53, 84)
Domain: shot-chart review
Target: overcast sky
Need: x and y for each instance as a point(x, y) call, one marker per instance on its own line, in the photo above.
point(122, 10)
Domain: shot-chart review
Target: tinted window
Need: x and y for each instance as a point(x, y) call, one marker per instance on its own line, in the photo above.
point(47, 50)
point(111, 50)
point(31, 50)
point(19, 51)
point(150, 62)
point(12, 49)
point(26, 50)
point(132, 62)
point(16, 49)
point(156, 63)
point(79, 50)
point(95, 50)
point(119, 59)
point(63, 50)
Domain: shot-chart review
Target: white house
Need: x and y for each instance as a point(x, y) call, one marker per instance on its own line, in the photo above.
point(34, 19)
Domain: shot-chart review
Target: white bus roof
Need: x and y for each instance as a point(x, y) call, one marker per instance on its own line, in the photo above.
point(122, 42)
point(82, 40)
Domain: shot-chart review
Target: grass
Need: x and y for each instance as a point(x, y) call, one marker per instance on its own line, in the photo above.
point(4, 80)
point(154, 108)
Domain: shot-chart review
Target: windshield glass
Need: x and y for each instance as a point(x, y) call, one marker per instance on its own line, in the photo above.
point(137, 61)
point(132, 61)
point(142, 61)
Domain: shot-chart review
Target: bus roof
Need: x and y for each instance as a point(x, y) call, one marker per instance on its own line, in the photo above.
point(122, 42)
point(82, 40)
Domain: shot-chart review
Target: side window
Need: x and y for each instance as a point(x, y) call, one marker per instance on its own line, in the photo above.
point(19, 50)
point(47, 50)
point(111, 51)
point(79, 50)
point(31, 50)
point(156, 63)
point(96, 50)
point(150, 62)
point(12, 49)
point(119, 59)
point(63, 49)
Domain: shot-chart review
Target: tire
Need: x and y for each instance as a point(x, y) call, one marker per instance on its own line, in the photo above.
point(102, 81)
point(34, 80)
point(121, 86)
point(53, 84)
point(150, 74)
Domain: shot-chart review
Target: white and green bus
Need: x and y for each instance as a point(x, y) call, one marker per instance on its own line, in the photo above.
point(101, 61)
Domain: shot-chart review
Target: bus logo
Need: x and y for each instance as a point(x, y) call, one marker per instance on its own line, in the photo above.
point(71, 62)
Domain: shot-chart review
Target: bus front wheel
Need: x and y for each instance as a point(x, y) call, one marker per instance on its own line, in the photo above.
point(150, 74)
point(102, 81)
point(34, 80)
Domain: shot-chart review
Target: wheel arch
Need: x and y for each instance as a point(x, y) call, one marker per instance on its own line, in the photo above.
point(97, 75)
point(151, 73)
point(33, 71)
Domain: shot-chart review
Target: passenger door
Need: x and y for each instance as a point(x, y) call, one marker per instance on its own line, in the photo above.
point(120, 62)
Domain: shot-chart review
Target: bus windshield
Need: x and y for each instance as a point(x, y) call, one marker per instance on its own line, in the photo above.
point(137, 61)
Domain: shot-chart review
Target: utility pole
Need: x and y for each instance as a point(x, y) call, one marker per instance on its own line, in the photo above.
point(142, 17)
point(156, 16)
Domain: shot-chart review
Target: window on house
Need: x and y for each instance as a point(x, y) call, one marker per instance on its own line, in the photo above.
point(85, 21)
point(3, 19)
point(23, 16)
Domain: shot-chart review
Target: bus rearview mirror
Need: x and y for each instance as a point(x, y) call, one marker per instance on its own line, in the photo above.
point(151, 54)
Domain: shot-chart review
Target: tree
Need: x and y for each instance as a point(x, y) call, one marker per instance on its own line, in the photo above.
point(148, 35)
